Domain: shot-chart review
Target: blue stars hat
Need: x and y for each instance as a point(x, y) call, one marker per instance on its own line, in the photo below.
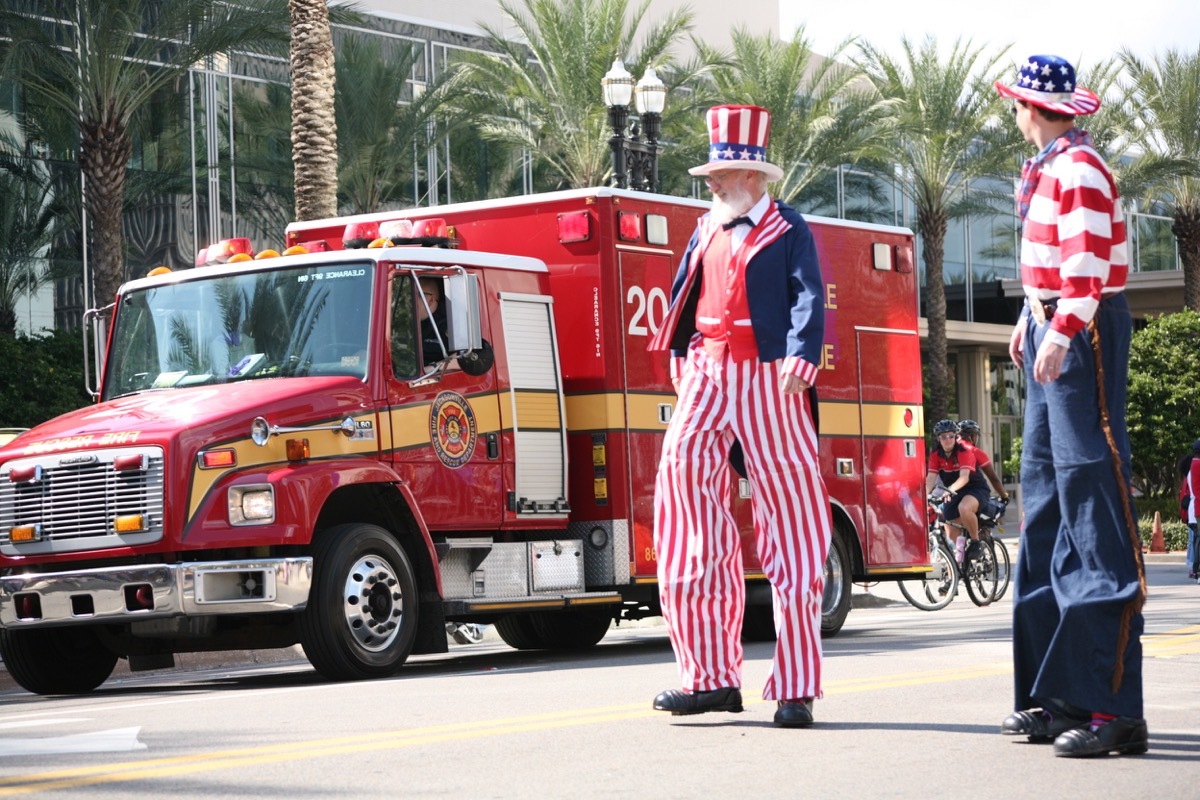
point(1049, 82)
point(738, 138)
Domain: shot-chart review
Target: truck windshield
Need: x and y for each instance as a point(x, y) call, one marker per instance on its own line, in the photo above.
point(281, 323)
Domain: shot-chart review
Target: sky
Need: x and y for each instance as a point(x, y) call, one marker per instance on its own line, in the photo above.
point(1082, 33)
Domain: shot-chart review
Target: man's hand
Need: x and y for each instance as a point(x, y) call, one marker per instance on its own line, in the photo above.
point(1048, 365)
point(792, 384)
point(1016, 344)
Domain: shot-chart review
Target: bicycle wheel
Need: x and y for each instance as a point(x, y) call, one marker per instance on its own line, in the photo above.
point(937, 587)
point(1003, 567)
point(980, 573)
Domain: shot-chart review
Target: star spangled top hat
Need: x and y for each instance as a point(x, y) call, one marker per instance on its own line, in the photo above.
point(1049, 82)
point(737, 138)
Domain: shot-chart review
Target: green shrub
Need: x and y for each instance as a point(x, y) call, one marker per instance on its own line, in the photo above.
point(1175, 533)
point(43, 377)
point(1167, 506)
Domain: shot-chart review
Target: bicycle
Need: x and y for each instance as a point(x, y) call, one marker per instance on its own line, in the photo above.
point(985, 568)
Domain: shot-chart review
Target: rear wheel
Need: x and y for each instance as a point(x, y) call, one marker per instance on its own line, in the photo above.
point(361, 618)
point(835, 604)
point(576, 629)
point(56, 660)
point(758, 623)
point(938, 587)
point(1003, 567)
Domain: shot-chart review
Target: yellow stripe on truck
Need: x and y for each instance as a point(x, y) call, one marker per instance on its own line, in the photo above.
point(641, 411)
point(322, 444)
point(534, 410)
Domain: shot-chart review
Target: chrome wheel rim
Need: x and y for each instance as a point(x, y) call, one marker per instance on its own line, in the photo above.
point(372, 603)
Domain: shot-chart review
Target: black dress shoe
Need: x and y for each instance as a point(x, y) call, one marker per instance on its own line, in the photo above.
point(1126, 735)
point(794, 713)
point(1040, 725)
point(679, 702)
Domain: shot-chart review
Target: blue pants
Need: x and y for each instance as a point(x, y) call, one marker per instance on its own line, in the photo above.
point(1077, 568)
point(1193, 551)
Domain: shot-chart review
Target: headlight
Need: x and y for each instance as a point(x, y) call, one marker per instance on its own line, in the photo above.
point(251, 505)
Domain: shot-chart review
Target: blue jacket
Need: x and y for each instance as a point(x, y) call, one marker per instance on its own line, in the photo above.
point(784, 289)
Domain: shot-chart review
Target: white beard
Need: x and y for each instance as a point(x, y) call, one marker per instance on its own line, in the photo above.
point(736, 203)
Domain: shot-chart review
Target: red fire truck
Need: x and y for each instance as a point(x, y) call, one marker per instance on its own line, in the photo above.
point(351, 446)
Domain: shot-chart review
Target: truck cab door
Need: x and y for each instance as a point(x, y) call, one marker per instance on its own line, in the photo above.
point(444, 422)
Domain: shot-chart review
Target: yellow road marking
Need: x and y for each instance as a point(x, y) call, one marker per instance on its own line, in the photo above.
point(1177, 642)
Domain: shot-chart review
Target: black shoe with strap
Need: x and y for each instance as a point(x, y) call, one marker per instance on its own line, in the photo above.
point(1040, 725)
point(1124, 735)
point(679, 702)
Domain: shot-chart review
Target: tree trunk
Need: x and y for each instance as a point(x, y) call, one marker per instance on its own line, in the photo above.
point(314, 127)
point(104, 152)
point(1187, 235)
point(8, 322)
point(933, 227)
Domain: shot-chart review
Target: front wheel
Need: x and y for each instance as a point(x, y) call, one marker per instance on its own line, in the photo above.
point(980, 573)
point(56, 660)
point(937, 588)
point(361, 618)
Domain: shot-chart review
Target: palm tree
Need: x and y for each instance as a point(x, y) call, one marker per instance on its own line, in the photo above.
point(314, 126)
point(28, 225)
point(946, 137)
point(822, 114)
point(1167, 90)
point(380, 119)
point(543, 93)
point(102, 61)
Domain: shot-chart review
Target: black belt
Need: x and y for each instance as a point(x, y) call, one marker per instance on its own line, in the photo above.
point(1041, 310)
point(1049, 307)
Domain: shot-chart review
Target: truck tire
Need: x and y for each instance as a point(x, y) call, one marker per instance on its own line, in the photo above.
point(518, 632)
point(758, 625)
point(56, 660)
point(577, 629)
point(361, 617)
point(835, 605)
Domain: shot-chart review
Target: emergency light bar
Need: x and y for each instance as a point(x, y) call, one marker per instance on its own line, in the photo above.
point(222, 252)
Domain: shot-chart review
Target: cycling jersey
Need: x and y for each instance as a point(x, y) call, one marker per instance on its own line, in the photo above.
point(981, 457)
point(947, 466)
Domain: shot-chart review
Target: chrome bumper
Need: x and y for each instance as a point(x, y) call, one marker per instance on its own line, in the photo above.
point(155, 591)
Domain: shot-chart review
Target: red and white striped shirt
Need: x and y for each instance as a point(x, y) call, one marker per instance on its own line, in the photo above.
point(1073, 246)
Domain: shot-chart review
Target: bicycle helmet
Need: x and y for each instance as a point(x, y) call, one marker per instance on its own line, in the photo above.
point(945, 426)
point(968, 426)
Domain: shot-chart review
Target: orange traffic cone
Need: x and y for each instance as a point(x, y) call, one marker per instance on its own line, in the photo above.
point(1157, 543)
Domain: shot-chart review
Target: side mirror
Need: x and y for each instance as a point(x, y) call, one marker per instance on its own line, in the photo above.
point(477, 362)
point(463, 326)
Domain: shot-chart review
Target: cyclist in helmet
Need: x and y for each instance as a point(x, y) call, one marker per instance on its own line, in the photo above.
point(961, 480)
point(968, 435)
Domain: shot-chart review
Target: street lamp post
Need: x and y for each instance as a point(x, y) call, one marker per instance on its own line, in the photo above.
point(635, 162)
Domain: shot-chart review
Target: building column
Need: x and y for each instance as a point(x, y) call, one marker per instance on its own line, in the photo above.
point(974, 393)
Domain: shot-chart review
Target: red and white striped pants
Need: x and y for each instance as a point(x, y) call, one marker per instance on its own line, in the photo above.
point(701, 584)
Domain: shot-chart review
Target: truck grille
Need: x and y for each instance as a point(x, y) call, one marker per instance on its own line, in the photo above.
point(73, 501)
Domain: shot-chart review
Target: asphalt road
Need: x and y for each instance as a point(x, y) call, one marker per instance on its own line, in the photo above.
point(912, 706)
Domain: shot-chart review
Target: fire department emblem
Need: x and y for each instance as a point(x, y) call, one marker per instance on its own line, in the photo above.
point(452, 429)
